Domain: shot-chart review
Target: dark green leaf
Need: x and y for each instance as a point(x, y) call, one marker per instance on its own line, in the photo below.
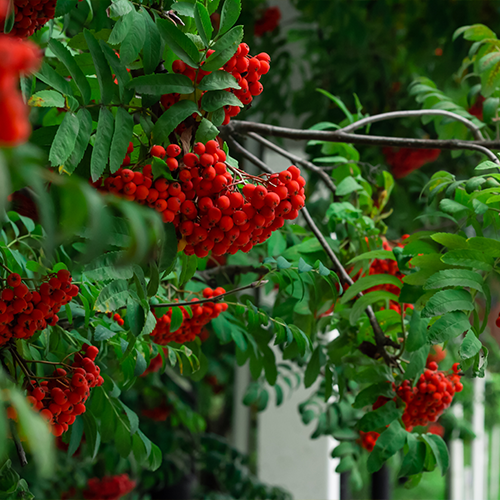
point(366, 300)
point(216, 99)
point(181, 45)
point(50, 76)
point(225, 48)
point(229, 15)
point(447, 301)
point(177, 319)
point(135, 317)
point(64, 55)
point(104, 135)
point(370, 394)
point(388, 443)
point(413, 462)
point(153, 45)
point(440, 450)
point(218, 80)
point(313, 368)
point(206, 131)
point(113, 296)
point(102, 68)
point(122, 75)
point(455, 277)
point(134, 40)
point(82, 140)
point(417, 362)
point(368, 282)
point(172, 118)
point(448, 326)
point(47, 99)
point(162, 83)
point(471, 345)
point(417, 334)
point(468, 258)
point(380, 417)
point(122, 136)
point(168, 250)
point(203, 23)
point(65, 139)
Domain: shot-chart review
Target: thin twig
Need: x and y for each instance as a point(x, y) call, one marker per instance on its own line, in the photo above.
point(19, 447)
point(236, 146)
point(306, 164)
point(255, 284)
point(476, 132)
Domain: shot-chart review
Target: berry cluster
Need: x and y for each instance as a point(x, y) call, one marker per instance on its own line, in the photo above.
point(159, 413)
point(368, 439)
point(429, 398)
point(108, 487)
point(60, 399)
point(24, 311)
point(31, 15)
point(191, 325)
point(16, 56)
point(246, 69)
point(206, 204)
point(405, 160)
point(268, 22)
point(116, 318)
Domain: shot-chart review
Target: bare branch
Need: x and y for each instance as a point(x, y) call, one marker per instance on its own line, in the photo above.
point(476, 132)
point(237, 147)
point(242, 127)
point(296, 159)
point(218, 298)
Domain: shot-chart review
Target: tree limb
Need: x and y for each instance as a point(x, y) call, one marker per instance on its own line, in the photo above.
point(476, 132)
point(242, 127)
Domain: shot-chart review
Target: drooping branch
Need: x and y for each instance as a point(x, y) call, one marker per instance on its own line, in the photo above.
point(296, 159)
point(242, 127)
point(238, 148)
point(380, 339)
point(476, 132)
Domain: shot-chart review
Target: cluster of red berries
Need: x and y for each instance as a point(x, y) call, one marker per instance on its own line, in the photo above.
point(429, 398)
point(24, 311)
point(192, 325)
point(108, 487)
point(159, 413)
point(368, 439)
point(246, 69)
point(62, 398)
point(116, 318)
point(31, 15)
point(206, 204)
point(268, 22)
point(403, 161)
point(16, 56)
point(156, 363)
point(497, 321)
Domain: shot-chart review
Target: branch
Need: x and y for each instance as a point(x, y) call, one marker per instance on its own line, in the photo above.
point(242, 127)
point(476, 132)
point(296, 159)
point(218, 298)
point(380, 338)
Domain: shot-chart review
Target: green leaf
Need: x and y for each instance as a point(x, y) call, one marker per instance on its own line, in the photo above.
point(155, 458)
point(203, 23)
point(229, 15)
point(450, 240)
point(65, 139)
point(135, 317)
point(487, 165)
point(49, 75)
point(347, 186)
point(447, 301)
point(189, 266)
point(367, 300)
point(102, 333)
point(218, 80)
point(206, 131)
point(168, 250)
point(338, 102)
point(487, 246)
point(283, 263)
point(101, 67)
point(313, 368)
point(76, 436)
point(225, 48)
point(122, 136)
point(162, 83)
point(370, 394)
point(47, 99)
point(368, 282)
point(455, 277)
point(300, 338)
point(417, 334)
point(270, 368)
point(304, 267)
point(134, 40)
point(451, 207)
point(413, 462)
point(92, 435)
point(216, 99)
point(106, 267)
point(440, 450)
point(172, 118)
point(104, 135)
point(153, 45)
point(119, 69)
point(184, 8)
point(123, 440)
point(113, 296)
point(82, 140)
point(417, 362)
point(373, 254)
point(448, 326)
point(182, 46)
point(471, 345)
point(64, 55)
point(276, 244)
point(380, 417)
point(177, 319)
point(388, 443)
